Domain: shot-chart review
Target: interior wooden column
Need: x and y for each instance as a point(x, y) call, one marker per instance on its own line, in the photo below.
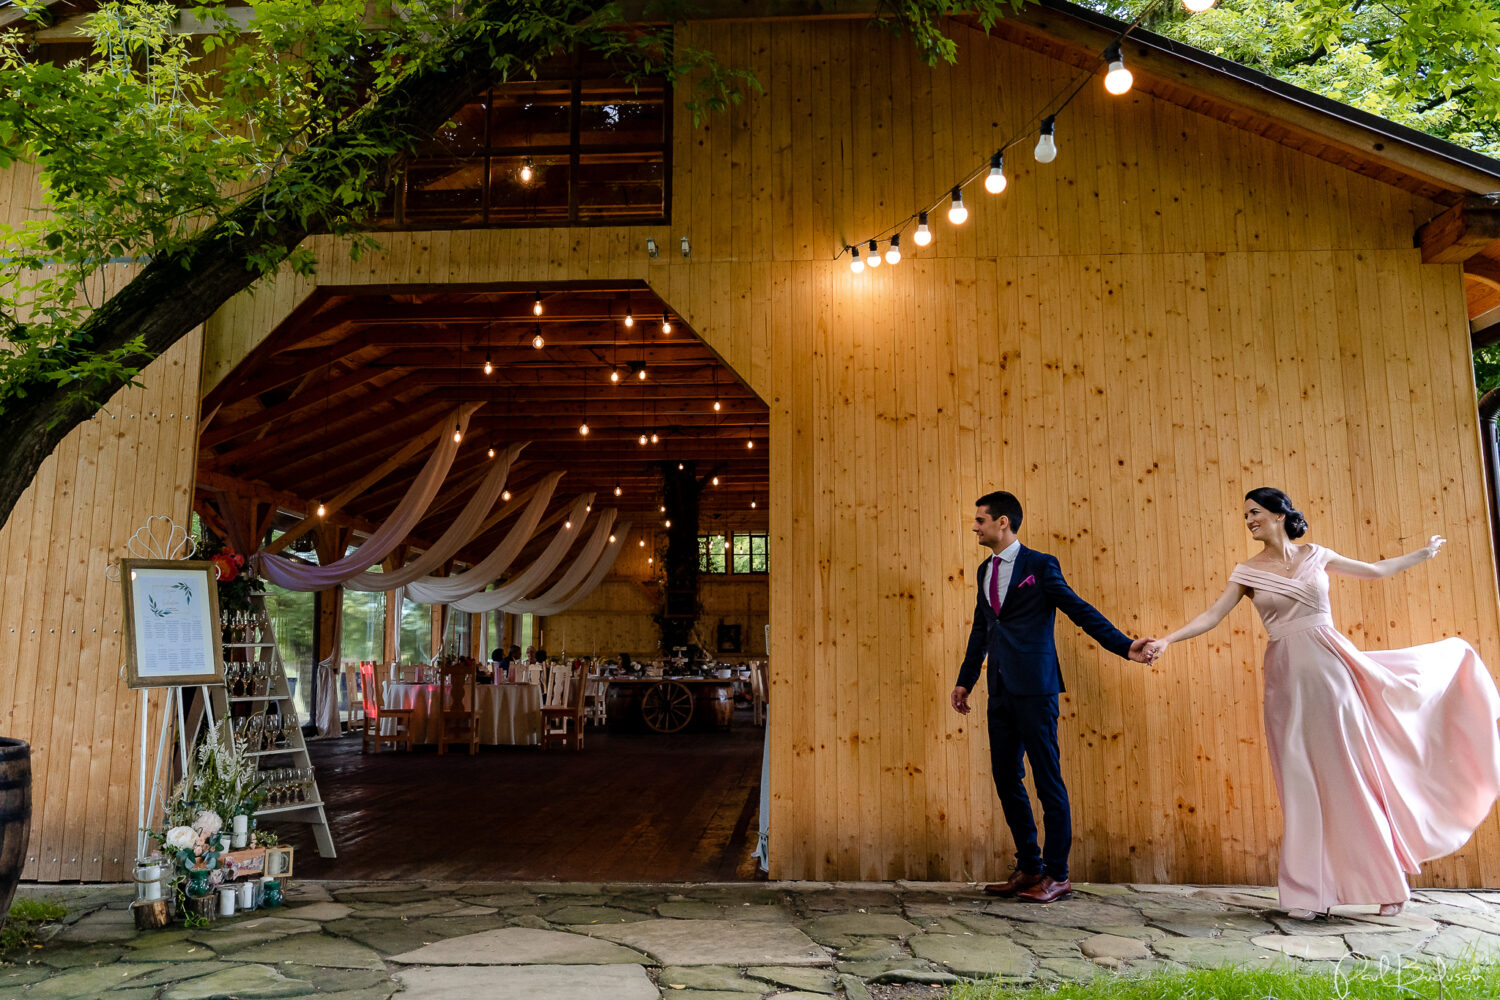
point(329, 543)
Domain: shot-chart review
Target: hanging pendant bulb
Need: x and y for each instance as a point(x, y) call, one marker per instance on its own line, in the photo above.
point(583, 428)
point(667, 523)
point(492, 452)
point(752, 503)
point(617, 489)
point(614, 376)
point(874, 256)
point(321, 510)
point(536, 307)
point(568, 525)
point(537, 340)
point(1198, 6)
point(666, 325)
point(716, 480)
point(855, 264)
point(923, 235)
point(995, 182)
point(717, 406)
point(663, 508)
point(629, 317)
point(611, 539)
point(458, 435)
point(680, 467)
point(1046, 143)
point(489, 367)
point(505, 495)
point(1118, 80)
point(526, 171)
point(893, 255)
point(956, 211)
point(643, 440)
point(750, 444)
point(654, 438)
point(640, 375)
point(641, 542)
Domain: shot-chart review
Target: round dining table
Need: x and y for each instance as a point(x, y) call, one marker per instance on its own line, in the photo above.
point(509, 714)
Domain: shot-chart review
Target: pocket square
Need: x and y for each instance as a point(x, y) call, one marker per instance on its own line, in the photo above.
point(1026, 582)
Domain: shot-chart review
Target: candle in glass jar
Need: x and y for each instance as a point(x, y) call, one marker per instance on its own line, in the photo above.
point(247, 895)
point(148, 880)
point(227, 897)
point(240, 825)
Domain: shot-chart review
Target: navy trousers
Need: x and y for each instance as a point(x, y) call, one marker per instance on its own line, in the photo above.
point(1024, 728)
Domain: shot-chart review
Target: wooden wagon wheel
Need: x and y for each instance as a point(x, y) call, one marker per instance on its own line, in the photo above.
point(667, 706)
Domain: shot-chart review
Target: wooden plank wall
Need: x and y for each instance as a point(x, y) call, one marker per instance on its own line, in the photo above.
point(1172, 312)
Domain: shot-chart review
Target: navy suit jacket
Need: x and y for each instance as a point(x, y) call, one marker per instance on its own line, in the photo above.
point(1018, 642)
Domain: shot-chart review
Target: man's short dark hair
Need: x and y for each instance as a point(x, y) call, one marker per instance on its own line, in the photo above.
point(1002, 504)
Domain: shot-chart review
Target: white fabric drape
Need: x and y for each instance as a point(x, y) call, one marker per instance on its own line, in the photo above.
point(519, 586)
point(325, 679)
point(575, 574)
point(445, 589)
point(463, 528)
point(601, 568)
point(294, 574)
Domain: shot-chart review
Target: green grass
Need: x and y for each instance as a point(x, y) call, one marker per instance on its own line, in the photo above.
point(1461, 980)
point(21, 924)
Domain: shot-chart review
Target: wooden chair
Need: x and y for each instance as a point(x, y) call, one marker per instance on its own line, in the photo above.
point(369, 691)
point(760, 691)
point(457, 700)
point(555, 693)
point(596, 701)
point(563, 724)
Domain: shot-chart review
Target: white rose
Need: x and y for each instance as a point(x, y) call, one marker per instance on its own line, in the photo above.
point(182, 837)
point(208, 823)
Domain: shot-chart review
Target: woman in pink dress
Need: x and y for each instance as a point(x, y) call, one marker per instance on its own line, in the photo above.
point(1382, 760)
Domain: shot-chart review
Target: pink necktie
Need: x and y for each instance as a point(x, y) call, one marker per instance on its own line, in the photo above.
point(995, 584)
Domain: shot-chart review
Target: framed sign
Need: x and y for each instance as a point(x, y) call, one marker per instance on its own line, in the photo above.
point(171, 623)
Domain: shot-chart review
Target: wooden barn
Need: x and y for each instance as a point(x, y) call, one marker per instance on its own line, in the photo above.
point(1220, 282)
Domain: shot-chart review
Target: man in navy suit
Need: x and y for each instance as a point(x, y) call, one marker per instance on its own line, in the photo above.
point(1020, 593)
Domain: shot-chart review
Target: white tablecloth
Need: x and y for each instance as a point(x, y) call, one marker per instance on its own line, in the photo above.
point(509, 714)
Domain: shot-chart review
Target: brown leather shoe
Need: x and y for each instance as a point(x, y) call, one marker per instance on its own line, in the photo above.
point(1047, 890)
point(1018, 880)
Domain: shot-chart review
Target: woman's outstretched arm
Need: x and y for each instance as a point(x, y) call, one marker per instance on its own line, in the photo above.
point(1203, 622)
point(1385, 567)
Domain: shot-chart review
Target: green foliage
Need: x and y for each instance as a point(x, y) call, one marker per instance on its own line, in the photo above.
point(25, 916)
point(1487, 368)
point(1432, 65)
point(1435, 980)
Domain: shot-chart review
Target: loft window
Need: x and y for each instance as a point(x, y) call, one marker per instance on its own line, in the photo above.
point(740, 552)
point(596, 149)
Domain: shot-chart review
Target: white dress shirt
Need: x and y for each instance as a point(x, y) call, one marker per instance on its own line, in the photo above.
point(1005, 565)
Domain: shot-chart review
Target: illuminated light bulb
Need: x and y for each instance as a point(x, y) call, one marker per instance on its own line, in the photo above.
point(654, 438)
point(611, 539)
point(923, 235)
point(1046, 143)
point(666, 325)
point(1198, 6)
point(717, 405)
point(680, 466)
point(492, 453)
point(457, 436)
point(526, 171)
point(583, 428)
point(614, 376)
point(1118, 80)
point(716, 480)
point(956, 211)
point(855, 264)
point(505, 495)
point(667, 523)
point(752, 504)
point(489, 367)
point(642, 543)
point(995, 182)
point(538, 342)
point(874, 255)
point(650, 560)
point(588, 508)
point(568, 525)
point(749, 444)
point(629, 319)
point(617, 489)
point(641, 375)
point(536, 308)
point(321, 510)
point(663, 508)
point(642, 439)
point(726, 545)
point(893, 255)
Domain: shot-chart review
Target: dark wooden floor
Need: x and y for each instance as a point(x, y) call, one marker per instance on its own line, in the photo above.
point(631, 808)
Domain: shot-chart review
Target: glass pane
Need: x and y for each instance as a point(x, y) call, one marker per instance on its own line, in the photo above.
point(292, 619)
point(543, 198)
point(416, 632)
point(619, 185)
point(531, 114)
point(616, 113)
point(363, 626)
point(444, 191)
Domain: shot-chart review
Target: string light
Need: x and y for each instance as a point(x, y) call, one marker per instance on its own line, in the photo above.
point(537, 340)
point(568, 525)
point(680, 466)
point(321, 510)
point(717, 406)
point(995, 182)
point(716, 480)
point(1118, 80)
point(667, 523)
point(652, 559)
point(662, 508)
point(893, 255)
point(956, 212)
point(505, 495)
point(489, 368)
point(629, 318)
point(923, 235)
point(654, 438)
point(750, 444)
point(458, 435)
point(641, 542)
point(855, 264)
point(1046, 143)
point(640, 374)
point(643, 440)
point(583, 428)
point(617, 489)
point(874, 258)
point(536, 308)
point(614, 375)
point(666, 325)
point(752, 503)
point(492, 451)
point(526, 171)
point(611, 539)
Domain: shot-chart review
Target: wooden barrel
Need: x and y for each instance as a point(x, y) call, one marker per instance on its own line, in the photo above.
point(714, 704)
point(15, 816)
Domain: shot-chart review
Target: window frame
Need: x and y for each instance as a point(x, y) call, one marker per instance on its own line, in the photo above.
point(705, 550)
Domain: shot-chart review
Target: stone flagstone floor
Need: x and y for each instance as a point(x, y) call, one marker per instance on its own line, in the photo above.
point(791, 940)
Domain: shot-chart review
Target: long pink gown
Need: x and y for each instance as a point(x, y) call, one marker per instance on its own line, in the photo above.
point(1382, 760)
